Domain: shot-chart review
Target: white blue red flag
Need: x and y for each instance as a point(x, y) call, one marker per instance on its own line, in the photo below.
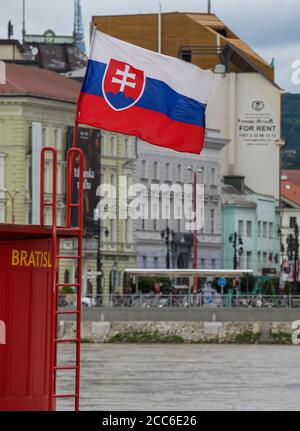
point(157, 98)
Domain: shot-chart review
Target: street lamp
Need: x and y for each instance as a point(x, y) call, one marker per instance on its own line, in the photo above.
point(12, 197)
point(97, 235)
point(195, 240)
point(166, 236)
point(237, 243)
point(293, 252)
point(282, 249)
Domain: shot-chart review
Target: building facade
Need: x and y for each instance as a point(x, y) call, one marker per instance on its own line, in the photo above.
point(38, 116)
point(245, 108)
point(255, 219)
point(118, 155)
point(157, 166)
point(290, 221)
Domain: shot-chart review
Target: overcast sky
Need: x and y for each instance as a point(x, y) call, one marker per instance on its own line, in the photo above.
point(271, 27)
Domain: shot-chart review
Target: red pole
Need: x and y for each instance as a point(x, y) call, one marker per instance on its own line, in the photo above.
point(70, 174)
point(195, 241)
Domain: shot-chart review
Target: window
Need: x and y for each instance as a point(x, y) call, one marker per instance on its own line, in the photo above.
point(265, 260)
point(59, 178)
point(127, 231)
point(167, 171)
point(155, 260)
point(241, 227)
point(144, 262)
point(259, 261)
point(241, 260)
point(213, 264)
point(44, 137)
point(202, 175)
point(67, 276)
point(249, 228)
point(293, 222)
point(103, 145)
point(112, 230)
point(270, 230)
point(113, 180)
point(113, 142)
point(213, 176)
point(179, 172)
point(212, 218)
point(259, 229)
point(265, 229)
point(155, 170)
point(186, 55)
point(57, 139)
point(202, 263)
point(249, 260)
point(127, 152)
point(144, 169)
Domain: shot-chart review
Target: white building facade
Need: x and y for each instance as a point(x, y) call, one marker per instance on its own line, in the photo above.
point(159, 166)
point(246, 108)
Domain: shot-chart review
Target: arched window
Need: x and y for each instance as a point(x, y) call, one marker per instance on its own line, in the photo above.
point(67, 276)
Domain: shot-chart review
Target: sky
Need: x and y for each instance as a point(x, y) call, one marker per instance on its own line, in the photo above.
point(271, 27)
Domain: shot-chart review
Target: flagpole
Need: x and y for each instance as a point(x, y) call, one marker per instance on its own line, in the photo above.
point(75, 135)
point(76, 125)
point(159, 28)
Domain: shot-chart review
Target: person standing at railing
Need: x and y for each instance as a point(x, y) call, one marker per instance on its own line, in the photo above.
point(217, 299)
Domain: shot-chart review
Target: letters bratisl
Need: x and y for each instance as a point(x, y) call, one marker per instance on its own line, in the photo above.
point(33, 258)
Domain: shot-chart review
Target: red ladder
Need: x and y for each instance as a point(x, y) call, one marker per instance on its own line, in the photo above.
point(57, 233)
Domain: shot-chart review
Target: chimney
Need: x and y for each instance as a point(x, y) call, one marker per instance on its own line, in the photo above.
point(236, 181)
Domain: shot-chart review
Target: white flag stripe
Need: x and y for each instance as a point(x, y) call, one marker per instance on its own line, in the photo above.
point(185, 78)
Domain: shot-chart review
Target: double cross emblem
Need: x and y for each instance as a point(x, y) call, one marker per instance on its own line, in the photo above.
point(122, 84)
point(123, 81)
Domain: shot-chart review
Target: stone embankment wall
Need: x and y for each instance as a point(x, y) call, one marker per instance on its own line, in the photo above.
point(192, 332)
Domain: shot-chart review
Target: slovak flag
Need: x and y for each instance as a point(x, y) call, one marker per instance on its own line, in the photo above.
point(137, 92)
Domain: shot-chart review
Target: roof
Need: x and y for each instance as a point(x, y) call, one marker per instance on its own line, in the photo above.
point(208, 19)
point(292, 175)
point(231, 196)
point(290, 186)
point(212, 22)
point(60, 57)
point(214, 27)
point(35, 82)
point(13, 42)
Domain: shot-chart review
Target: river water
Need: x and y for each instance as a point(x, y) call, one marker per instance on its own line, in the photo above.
point(185, 377)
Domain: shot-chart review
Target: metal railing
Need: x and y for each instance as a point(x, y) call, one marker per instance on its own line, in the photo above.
point(184, 301)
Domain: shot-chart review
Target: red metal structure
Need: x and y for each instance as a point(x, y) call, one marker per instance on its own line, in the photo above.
point(29, 287)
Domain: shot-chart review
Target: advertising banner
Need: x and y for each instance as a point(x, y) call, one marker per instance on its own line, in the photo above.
point(89, 141)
